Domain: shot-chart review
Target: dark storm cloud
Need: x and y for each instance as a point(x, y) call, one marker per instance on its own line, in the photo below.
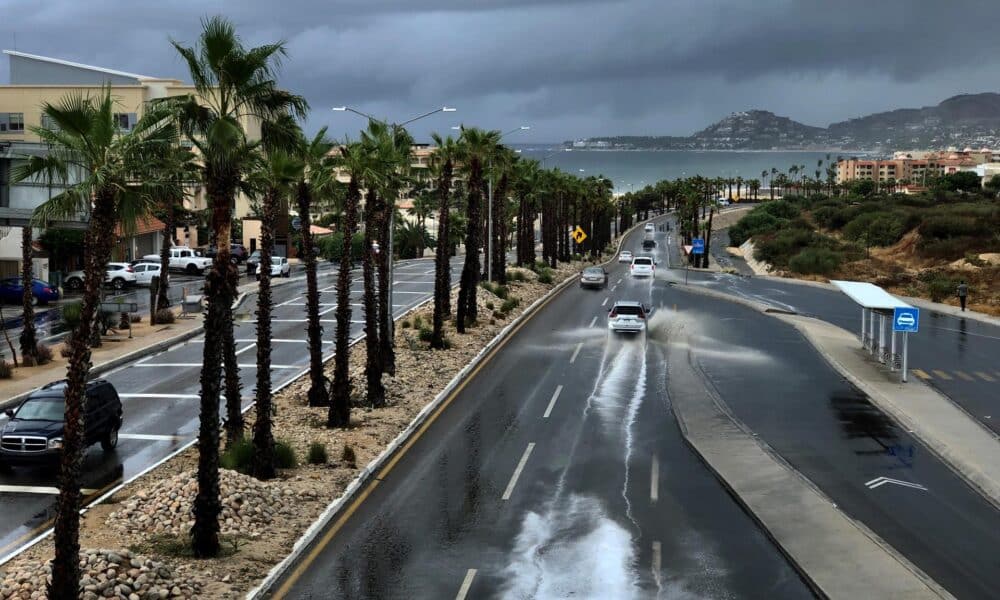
point(568, 68)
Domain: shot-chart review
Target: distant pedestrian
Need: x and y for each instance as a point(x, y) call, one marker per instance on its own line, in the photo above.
point(963, 292)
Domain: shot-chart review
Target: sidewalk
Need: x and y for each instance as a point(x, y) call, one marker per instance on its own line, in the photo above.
point(837, 556)
point(960, 440)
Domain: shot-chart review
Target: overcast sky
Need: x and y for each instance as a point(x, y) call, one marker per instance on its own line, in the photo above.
point(567, 68)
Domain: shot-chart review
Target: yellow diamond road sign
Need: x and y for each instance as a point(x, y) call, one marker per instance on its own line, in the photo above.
point(579, 235)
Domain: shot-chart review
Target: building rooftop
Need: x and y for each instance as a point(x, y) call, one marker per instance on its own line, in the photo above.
point(76, 65)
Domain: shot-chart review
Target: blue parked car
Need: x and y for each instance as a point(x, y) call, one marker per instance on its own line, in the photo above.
point(43, 292)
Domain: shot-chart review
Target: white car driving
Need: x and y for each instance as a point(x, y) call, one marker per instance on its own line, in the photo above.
point(628, 316)
point(625, 256)
point(650, 227)
point(145, 272)
point(118, 275)
point(642, 266)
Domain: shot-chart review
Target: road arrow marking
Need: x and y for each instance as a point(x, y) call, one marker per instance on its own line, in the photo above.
point(880, 481)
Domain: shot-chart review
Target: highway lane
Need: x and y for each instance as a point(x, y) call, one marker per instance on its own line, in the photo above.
point(776, 383)
point(957, 356)
point(557, 471)
point(160, 396)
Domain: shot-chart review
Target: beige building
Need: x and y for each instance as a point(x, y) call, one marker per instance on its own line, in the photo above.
point(907, 171)
point(36, 80)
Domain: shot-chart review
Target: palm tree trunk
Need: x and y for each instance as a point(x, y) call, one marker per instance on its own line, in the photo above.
point(234, 388)
point(339, 414)
point(708, 237)
point(162, 299)
point(442, 266)
point(500, 230)
point(467, 308)
point(262, 464)
point(205, 532)
point(318, 394)
point(66, 563)
point(375, 395)
point(385, 338)
point(28, 339)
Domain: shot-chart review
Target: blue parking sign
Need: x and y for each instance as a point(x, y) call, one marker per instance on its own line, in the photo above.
point(697, 246)
point(906, 319)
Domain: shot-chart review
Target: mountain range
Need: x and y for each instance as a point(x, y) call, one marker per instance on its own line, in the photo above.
point(960, 121)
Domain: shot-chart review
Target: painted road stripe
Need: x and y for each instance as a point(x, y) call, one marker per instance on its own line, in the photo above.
point(38, 489)
point(964, 375)
point(984, 376)
point(552, 402)
point(427, 293)
point(921, 373)
point(605, 303)
point(942, 374)
point(592, 321)
point(619, 281)
point(657, 560)
point(176, 396)
point(572, 359)
point(654, 480)
point(149, 437)
point(466, 584)
point(242, 350)
point(517, 472)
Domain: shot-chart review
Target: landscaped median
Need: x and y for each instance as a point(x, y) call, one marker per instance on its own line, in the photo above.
point(262, 521)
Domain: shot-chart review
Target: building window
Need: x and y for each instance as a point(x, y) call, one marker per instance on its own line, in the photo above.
point(11, 122)
point(125, 121)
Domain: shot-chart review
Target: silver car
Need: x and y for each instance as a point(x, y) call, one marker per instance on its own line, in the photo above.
point(628, 316)
point(594, 277)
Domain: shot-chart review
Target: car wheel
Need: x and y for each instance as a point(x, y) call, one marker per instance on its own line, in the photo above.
point(110, 440)
point(192, 270)
point(74, 284)
point(118, 283)
point(34, 300)
point(234, 260)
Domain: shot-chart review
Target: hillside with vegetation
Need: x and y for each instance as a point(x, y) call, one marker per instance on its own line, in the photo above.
point(921, 245)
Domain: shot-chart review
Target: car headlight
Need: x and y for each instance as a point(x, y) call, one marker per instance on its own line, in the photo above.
point(55, 443)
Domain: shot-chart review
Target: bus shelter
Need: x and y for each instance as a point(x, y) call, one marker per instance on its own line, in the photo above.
point(877, 310)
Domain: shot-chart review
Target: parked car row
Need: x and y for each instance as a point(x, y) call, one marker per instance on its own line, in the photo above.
point(42, 292)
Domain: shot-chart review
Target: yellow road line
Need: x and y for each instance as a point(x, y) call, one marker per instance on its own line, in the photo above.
point(309, 558)
point(920, 373)
point(965, 376)
point(942, 374)
point(984, 376)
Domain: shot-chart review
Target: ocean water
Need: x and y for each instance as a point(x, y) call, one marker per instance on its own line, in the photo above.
point(640, 168)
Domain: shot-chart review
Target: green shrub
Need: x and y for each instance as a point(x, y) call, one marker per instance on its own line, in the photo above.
point(940, 287)
point(71, 314)
point(237, 456)
point(876, 228)
point(815, 261)
point(284, 455)
point(418, 322)
point(756, 222)
point(405, 324)
point(778, 248)
point(44, 353)
point(781, 209)
point(516, 275)
point(164, 316)
point(6, 370)
point(577, 257)
point(425, 334)
point(489, 306)
point(539, 266)
point(317, 454)
point(509, 305)
point(952, 226)
point(348, 457)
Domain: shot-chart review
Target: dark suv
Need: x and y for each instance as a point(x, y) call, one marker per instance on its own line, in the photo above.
point(237, 253)
point(34, 432)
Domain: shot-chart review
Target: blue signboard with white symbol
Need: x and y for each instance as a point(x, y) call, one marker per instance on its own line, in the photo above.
point(697, 246)
point(906, 319)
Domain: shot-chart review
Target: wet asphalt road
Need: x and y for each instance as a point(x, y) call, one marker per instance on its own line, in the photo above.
point(587, 514)
point(160, 396)
point(957, 356)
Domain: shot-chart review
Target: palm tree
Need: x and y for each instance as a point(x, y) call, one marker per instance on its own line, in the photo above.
point(101, 169)
point(355, 161)
point(526, 182)
point(475, 148)
point(443, 168)
point(176, 171)
point(28, 339)
point(502, 162)
point(274, 180)
point(423, 206)
point(314, 181)
point(234, 85)
point(774, 173)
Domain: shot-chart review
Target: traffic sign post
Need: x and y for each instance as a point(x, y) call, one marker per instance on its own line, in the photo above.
point(297, 223)
point(907, 320)
point(579, 235)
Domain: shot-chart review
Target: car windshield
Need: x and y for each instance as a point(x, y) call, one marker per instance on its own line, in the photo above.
point(628, 310)
point(48, 408)
point(644, 261)
point(276, 260)
point(593, 271)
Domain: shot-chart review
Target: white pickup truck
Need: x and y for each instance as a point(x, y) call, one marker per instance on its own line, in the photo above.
point(184, 259)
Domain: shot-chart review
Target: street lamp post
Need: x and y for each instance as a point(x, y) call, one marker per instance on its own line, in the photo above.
point(389, 325)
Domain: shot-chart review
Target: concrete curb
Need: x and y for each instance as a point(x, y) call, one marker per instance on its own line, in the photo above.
point(335, 508)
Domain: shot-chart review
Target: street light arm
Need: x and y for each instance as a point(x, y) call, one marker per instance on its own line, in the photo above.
point(357, 112)
point(435, 111)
